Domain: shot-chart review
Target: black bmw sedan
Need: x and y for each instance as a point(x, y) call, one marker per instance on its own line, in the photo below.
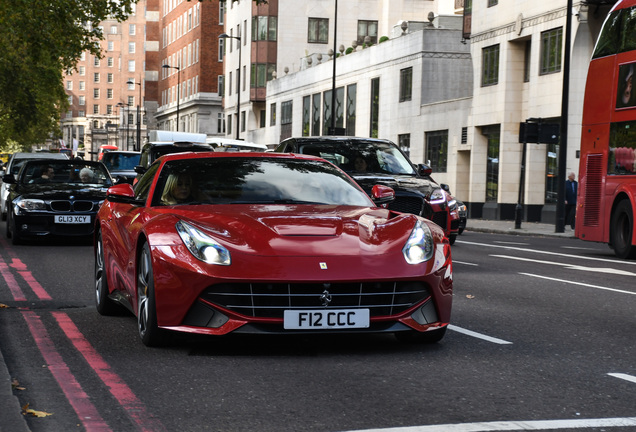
point(53, 197)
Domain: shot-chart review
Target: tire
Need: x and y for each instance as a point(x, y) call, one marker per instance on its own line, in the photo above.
point(104, 305)
point(12, 232)
point(452, 238)
point(150, 334)
point(622, 230)
point(429, 337)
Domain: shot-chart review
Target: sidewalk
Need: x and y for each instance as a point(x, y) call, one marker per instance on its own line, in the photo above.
point(508, 227)
point(12, 420)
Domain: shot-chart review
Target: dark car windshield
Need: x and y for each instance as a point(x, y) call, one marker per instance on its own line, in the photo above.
point(121, 161)
point(61, 172)
point(244, 180)
point(361, 156)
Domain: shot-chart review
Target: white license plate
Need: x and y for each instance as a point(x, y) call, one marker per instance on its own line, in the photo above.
point(326, 319)
point(72, 219)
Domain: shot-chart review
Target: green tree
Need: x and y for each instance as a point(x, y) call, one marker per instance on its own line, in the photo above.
point(41, 40)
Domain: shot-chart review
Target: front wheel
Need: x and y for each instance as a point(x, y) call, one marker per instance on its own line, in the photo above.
point(149, 332)
point(622, 230)
point(12, 231)
point(104, 305)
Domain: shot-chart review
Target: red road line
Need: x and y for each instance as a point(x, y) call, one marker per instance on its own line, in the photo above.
point(16, 292)
point(39, 291)
point(79, 400)
point(118, 388)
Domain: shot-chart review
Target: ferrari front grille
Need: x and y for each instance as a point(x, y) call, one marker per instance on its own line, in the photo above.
point(265, 300)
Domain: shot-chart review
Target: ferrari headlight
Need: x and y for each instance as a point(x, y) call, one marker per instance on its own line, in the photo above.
point(202, 246)
point(419, 247)
point(30, 204)
point(438, 196)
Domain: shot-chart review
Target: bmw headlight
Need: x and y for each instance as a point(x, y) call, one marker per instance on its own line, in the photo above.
point(202, 246)
point(419, 247)
point(438, 196)
point(30, 204)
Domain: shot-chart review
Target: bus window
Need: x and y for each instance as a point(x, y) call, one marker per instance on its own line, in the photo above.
point(608, 40)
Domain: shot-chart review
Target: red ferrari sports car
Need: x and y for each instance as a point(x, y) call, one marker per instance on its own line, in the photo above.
point(218, 243)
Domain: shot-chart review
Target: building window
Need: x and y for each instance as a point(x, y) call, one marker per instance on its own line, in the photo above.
point(131, 65)
point(109, 93)
point(406, 84)
point(375, 108)
point(82, 85)
point(352, 91)
point(131, 47)
point(81, 113)
point(552, 173)
point(70, 99)
point(286, 112)
point(131, 100)
point(229, 125)
point(113, 29)
point(221, 13)
point(492, 164)
point(243, 121)
point(404, 142)
point(326, 112)
point(315, 115)
point(492, 2)
point(221, 85)
point(551, 42)
point(437, 150)
point(263, 115)
point(95, 109)
point(272, 114)
point(96, 77)
point(109, 109)
point(96, 93)
point(132, 29)
point(96, 61)
point(367, 28)
point(261, 73)
point(220, 123)
point(306, 115)
point(82, 100)
point(318, 30)
point(69, 85)
point(221, 49)
point(264, 28)
point(111, 46)
point(490, 66)
point(110, 62)
point(82, 70)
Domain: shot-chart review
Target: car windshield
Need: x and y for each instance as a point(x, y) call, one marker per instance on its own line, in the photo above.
point(121, 161)
point(361, 156)
point(244, 180)
point(64, 173)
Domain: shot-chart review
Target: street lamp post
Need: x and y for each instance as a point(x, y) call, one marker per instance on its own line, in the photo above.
point(178, 88)
point(332, 130)
point(138, 145)
point(238, 80)
point(121, 105)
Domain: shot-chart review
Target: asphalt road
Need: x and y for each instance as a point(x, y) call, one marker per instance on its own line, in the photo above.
point(541, 339)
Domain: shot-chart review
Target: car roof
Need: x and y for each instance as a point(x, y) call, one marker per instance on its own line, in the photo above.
point(59, 161)
point(265, 155)
point(332, 139)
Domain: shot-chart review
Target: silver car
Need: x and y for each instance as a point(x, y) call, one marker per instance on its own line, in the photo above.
point(13, 166)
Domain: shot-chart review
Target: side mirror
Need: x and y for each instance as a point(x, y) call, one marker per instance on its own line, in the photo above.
point(122, 193)
point(424, 170)
point(140, 170)
point(8, 178)
point(382, 195)
point(445, 187)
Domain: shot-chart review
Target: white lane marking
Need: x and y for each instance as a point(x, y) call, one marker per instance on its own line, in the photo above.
point(569, 255)
point(577, 248)
point(607, 270)
point(478, 335)
point(465, 263)
point(623, 376)
point(579, 283)
point(515, 425)
point(512, 243)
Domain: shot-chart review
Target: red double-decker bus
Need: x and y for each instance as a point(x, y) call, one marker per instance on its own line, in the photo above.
point(606, 202)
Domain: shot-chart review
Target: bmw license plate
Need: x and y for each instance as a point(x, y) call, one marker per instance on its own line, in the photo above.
point(72, 219)
point(326, 319)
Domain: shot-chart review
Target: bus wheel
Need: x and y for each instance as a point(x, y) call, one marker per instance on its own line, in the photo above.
point(622, 230)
